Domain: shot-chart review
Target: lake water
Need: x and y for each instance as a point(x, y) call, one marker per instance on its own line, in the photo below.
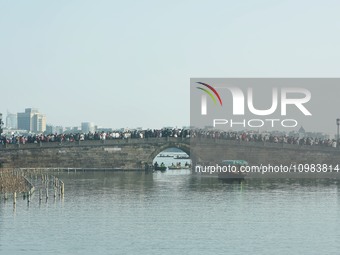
point(174, 213)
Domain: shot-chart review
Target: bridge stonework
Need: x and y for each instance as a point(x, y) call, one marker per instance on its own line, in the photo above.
point(123, 154)
point(257, 153)
point(134, 153)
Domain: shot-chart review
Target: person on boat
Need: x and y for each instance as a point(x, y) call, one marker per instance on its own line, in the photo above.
point(162, 164)
point(156, 164)
point(172, 164)
point(186, 164)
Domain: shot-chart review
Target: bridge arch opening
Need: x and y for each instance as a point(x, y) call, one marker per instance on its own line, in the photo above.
point(172, 158)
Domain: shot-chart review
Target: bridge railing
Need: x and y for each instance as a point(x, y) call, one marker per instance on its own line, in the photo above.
point(164, 140)
point(153, 140)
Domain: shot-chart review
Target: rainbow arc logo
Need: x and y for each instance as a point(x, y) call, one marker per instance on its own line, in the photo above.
point(209, 90)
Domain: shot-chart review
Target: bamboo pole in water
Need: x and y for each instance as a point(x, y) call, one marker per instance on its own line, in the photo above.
point(62, 188)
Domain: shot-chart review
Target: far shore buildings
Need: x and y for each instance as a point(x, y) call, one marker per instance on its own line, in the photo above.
point(32, 120)
point(11, 120)
point(50, 129)
point(87, 127)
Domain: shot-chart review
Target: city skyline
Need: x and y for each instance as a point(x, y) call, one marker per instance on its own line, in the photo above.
point(88, 126)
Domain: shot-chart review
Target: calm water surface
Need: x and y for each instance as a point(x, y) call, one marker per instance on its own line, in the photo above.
point(174, 213)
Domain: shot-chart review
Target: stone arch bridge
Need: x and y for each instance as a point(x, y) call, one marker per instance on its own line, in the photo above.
point(132, 154)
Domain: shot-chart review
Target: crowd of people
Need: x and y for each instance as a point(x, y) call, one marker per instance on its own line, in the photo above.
point(265, 137)
point(244, 136)
point(72, 137)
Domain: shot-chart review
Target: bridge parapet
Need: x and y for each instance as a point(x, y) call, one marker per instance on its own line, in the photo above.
point(133, 153)
point(165, 140)
point(119, 142)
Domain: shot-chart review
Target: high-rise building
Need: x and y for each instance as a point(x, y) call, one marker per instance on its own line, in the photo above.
point(50, 129)
point(32, 120)
point(11, 120)
point(25, 120)
point(59, 129)
point(39, 122)
point(87, 127)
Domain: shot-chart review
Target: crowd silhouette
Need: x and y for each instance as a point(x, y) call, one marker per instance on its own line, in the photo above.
point(244, 136)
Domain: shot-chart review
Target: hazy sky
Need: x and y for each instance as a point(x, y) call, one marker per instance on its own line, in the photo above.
point(129, 63)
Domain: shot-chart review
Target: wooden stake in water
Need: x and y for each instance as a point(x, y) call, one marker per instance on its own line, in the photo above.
point(62, 188)
point(14, 198)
